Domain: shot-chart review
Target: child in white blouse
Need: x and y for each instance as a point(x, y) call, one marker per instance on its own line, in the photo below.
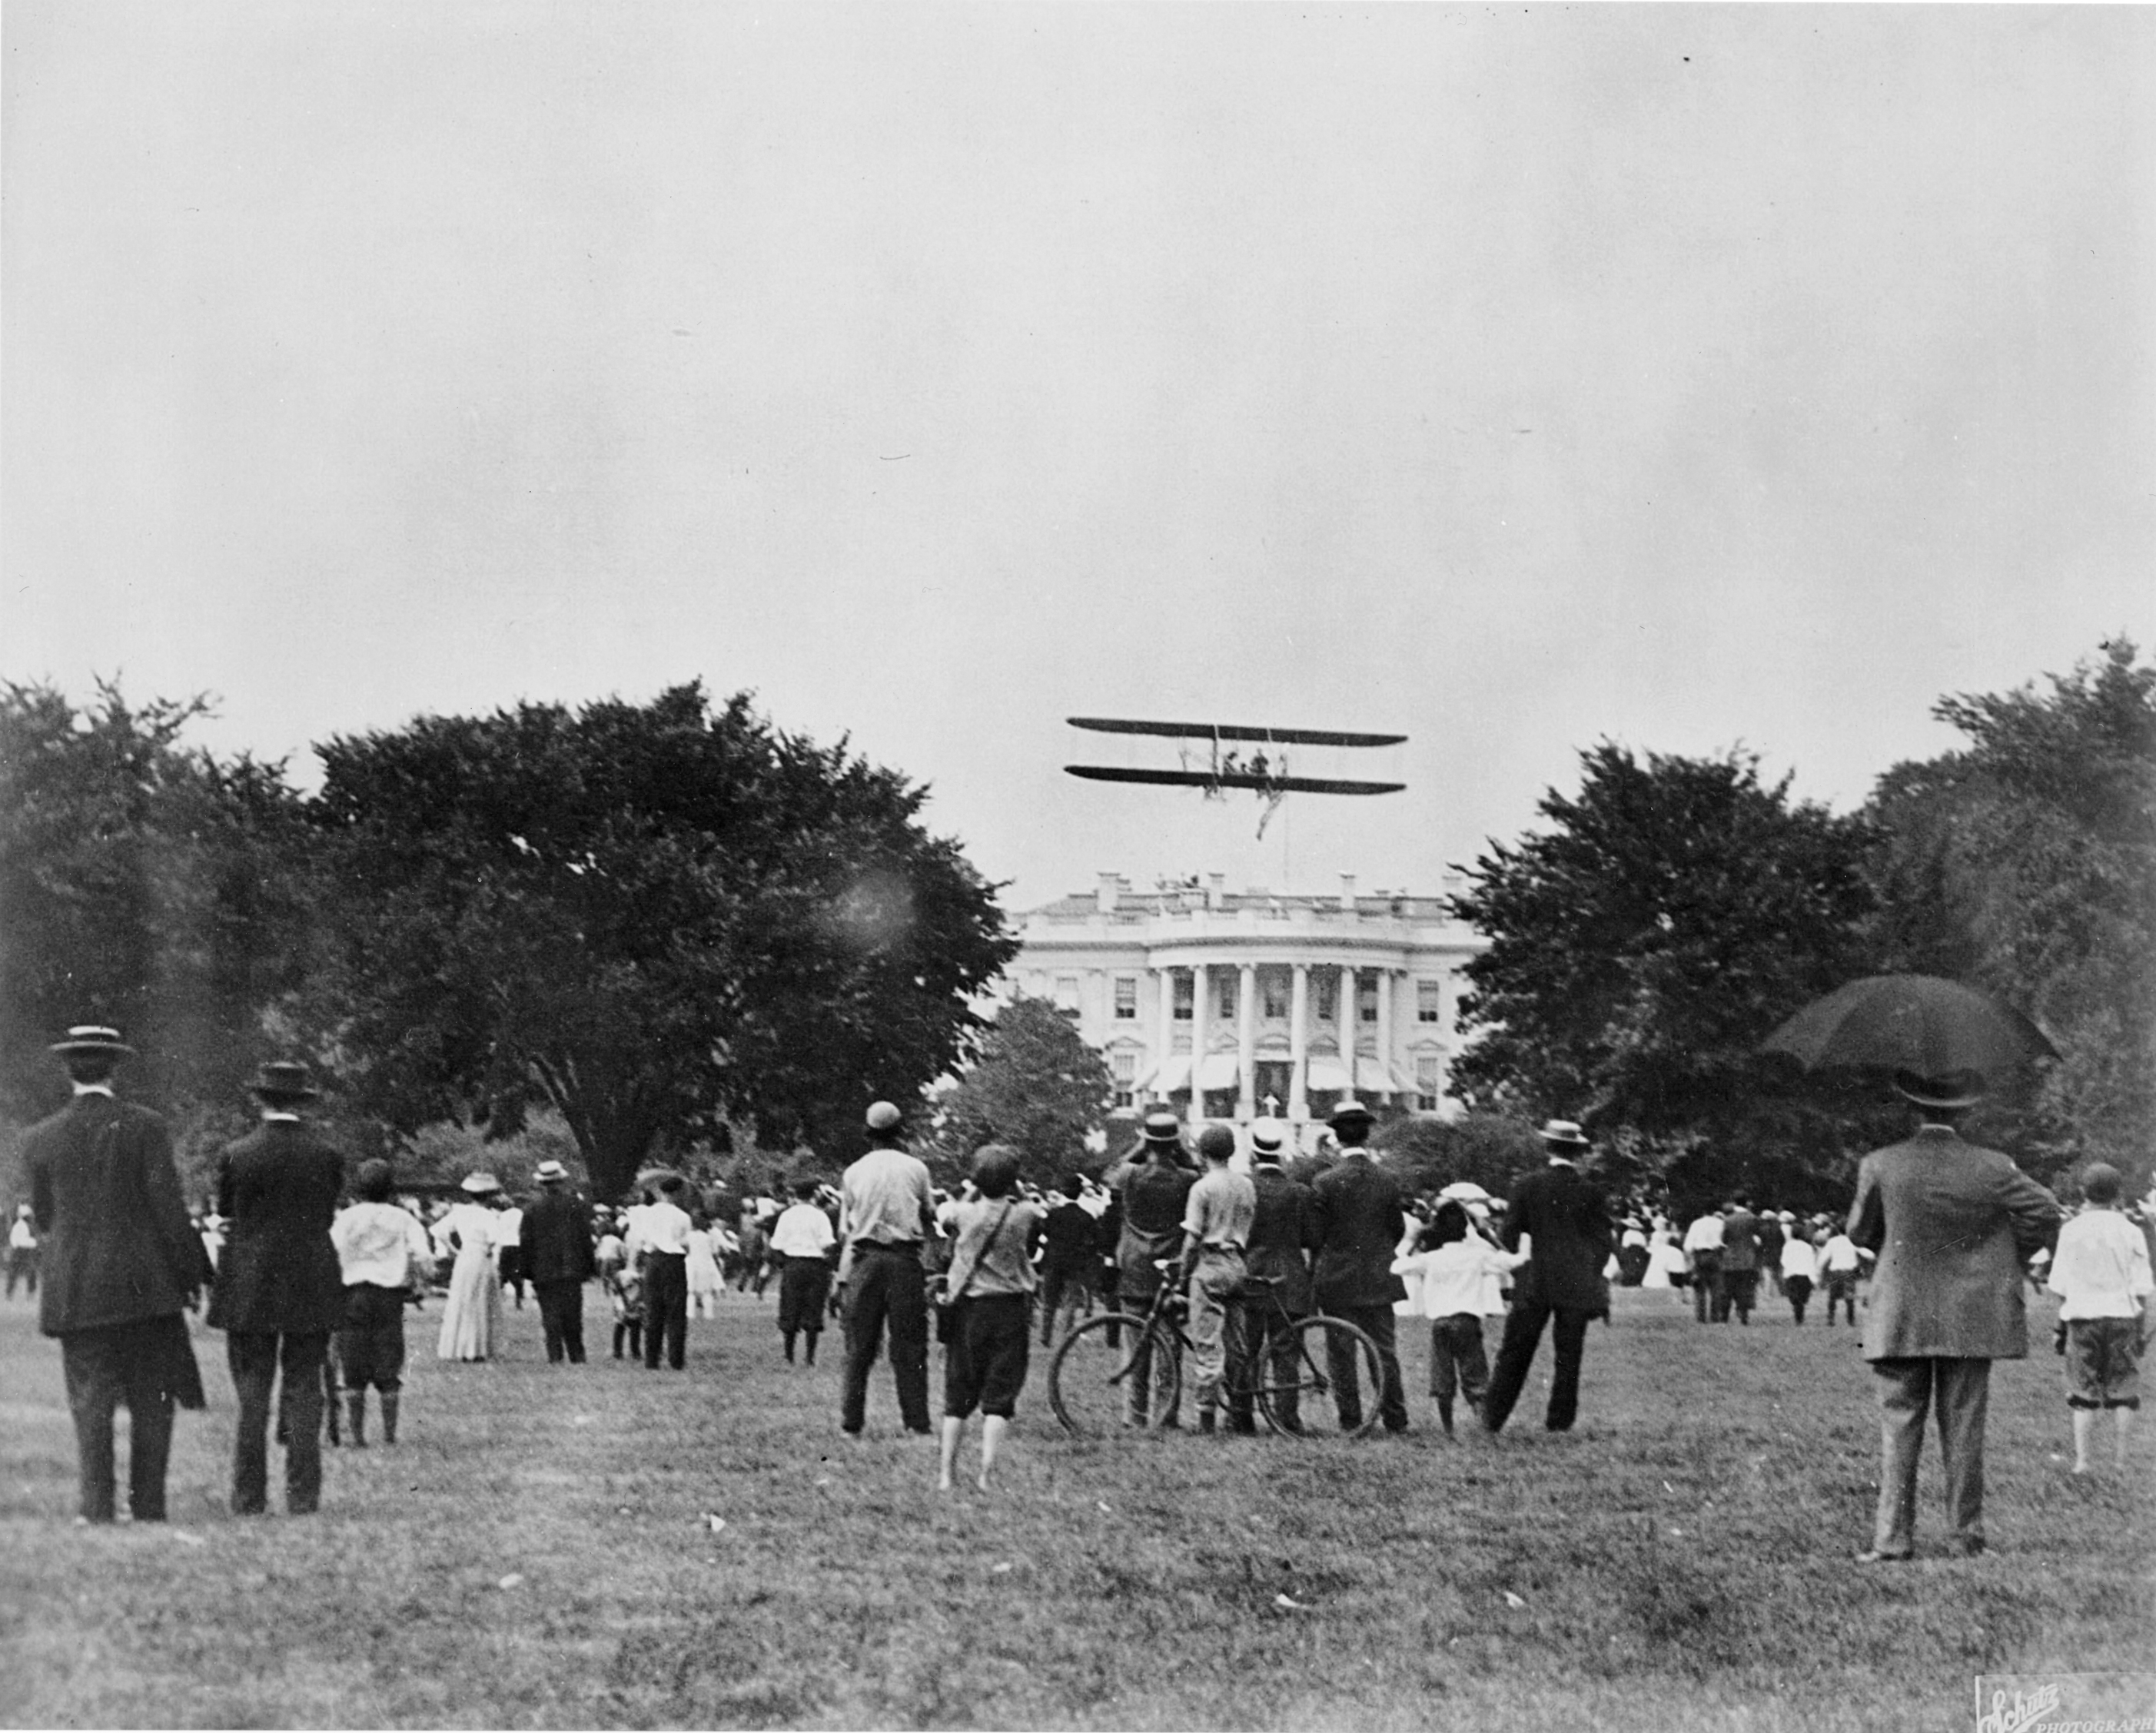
point(1459, 1271)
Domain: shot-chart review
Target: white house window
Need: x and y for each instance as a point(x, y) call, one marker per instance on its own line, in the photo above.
point(1430, 1001)
point(1066, 993)
point(1429, 1077)
point(1124, 1067)
point(1126, 999)
point(1273, 994)
point(1366, 1002)
point(1185, 996)
point(1325, 991)
point(1226, 997)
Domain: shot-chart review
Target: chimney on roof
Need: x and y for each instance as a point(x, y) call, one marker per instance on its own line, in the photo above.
point(1107, 892)
point(1216, 890)
point(1347, 892)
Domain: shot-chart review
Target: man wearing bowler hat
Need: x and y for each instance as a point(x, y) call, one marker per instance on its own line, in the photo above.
point(1359, 1224)
point(1566, 1223)
point(279, 1286)
point(122, 1264)
point(887, 1216)
point(1954, 1225)
point(556, 1239)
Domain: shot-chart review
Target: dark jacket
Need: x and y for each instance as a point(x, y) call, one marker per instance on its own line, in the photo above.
point(279, 1274)
point(1282, 1234)
point(1068, 1239)
point(1565, 1216)
point(1359, 1225)
point(1953, 1224)
point(556, 1237)
point(118, 1247)
point(1740, 1240)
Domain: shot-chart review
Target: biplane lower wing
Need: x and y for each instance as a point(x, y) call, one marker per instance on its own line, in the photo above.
point(1232, 779)
point(1207, 730)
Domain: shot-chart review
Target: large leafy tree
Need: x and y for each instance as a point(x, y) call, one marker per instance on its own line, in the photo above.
point(144, 882)
point(1036, 1085)
point(1643, 943)
point(2025, 863)
point(650, 917)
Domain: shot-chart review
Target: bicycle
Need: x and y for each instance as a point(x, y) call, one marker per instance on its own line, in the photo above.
point(1123, 1370)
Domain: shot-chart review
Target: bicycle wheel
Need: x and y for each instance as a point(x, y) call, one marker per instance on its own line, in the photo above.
point(1319, 1378)
point(1111, 1375)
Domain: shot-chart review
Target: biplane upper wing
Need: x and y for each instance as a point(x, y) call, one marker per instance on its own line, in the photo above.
point(1207, 730)
point(1232, 779)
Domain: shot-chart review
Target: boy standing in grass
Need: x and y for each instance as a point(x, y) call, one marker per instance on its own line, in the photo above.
point(1456, 1270)
point(1838, 1266)
point(2101, 1272)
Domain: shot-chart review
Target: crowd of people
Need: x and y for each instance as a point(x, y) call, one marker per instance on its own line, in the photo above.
point(311, 1277)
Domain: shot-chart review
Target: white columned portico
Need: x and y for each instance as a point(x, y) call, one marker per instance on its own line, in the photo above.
point(1198, 985)
point(1346, 1009)
point(1164, 1049)
point(1246, 1043)
point(1385, 1030)
point(1298, 1047)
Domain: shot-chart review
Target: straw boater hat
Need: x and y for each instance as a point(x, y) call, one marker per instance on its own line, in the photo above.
point(1350, 1110)
point(1162, 1126)
point(548, 1173)
point(1563, 1134)
point(481, 1185)
point(883, 1116)
point(1266, 1137)
point(91, 1037)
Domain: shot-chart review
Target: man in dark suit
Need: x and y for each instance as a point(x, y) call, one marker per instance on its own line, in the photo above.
point(279, 1286)
point(122, 1264)
point(1566, 1224)
point(1359, 1223)
point(1276, 1266)
point(1068, 1259)
point(556, 1242)
point(1954, 1225)
point(1738, 1282)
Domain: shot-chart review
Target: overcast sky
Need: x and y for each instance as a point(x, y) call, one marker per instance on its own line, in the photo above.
point(1509, 377)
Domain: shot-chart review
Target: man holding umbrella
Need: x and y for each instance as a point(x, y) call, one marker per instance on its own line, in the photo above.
point(1954, 1224)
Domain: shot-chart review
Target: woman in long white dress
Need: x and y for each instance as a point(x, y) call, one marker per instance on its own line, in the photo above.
point(472, 1317)
point(1664, 1260)
point(703, 1273)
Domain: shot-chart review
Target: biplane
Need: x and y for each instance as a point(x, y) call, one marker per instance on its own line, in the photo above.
point(1264, 770)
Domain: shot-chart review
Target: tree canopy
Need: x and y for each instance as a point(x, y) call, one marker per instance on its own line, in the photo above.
point(1036, 1085)
point(1642, 945)
point(145, 883)
point(2025, 863)
point(648, 916)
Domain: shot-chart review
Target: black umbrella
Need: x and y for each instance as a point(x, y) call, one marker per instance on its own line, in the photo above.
point(1910, 1023)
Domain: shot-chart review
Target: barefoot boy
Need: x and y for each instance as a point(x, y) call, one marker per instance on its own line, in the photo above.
point(2101, 1272)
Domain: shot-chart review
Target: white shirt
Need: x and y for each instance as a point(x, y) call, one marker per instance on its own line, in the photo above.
point(802, 1231)
point(1704, 1235)
point(662, 1227)
point(1459, 1277)
point(1799, 1258)
point(1838, 1256)
point(23, 1236)
point(379, 1244)
point(2101, 1270)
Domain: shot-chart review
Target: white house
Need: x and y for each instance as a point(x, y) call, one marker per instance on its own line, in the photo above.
point(1279, 1003)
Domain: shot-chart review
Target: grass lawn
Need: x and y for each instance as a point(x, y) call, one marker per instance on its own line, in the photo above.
point(535, 1553)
